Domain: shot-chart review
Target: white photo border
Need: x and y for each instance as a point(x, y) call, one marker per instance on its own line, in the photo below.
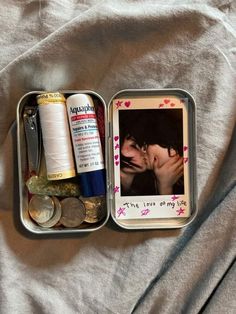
point(150, 206)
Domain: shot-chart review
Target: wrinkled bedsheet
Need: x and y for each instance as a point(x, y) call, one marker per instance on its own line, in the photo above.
point(107, 46)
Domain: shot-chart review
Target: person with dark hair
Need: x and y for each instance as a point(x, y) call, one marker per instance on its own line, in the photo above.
point(150, 152)
point(164, 150)
point(132, 161)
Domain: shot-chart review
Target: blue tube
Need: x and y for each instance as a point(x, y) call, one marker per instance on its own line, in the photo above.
point(93, 183)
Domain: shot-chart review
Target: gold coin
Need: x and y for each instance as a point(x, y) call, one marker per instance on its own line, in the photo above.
point(95, 208)
point(73, 212)
point(41, 208)
point(56, 216)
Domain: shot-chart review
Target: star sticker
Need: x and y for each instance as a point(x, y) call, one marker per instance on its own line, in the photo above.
point(116, 189)
point(121, 211)
point(118, 104)
point(180, 211)
point(173, 198)
point(185, 160)
point(145, 212)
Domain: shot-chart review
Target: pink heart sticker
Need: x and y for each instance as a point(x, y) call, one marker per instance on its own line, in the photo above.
point(161, 105)
point(166, 101)
point(116, 138)
point(116, 157)
point(127, 104)
point(117, 163)
point(172, 104)
point(185, 148)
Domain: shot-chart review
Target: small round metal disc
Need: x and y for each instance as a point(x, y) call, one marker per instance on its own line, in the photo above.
point(41, 208)
point(56, 216)
point(95, 209)
point(73, 212)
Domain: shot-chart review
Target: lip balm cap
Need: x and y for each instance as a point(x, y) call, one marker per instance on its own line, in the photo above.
point(79, 99)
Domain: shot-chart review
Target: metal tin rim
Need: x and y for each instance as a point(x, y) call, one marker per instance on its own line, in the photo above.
point(186, 221)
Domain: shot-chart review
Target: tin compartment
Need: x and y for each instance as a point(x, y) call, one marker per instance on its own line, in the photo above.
point(25, 219)
point(157, 223)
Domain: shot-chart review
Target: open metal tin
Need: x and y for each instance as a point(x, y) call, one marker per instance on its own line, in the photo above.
point(182, 206)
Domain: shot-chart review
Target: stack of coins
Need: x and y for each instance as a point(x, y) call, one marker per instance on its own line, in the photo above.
point(70, 212)
point(45, 210)
point(73, 212)
point(95, 208)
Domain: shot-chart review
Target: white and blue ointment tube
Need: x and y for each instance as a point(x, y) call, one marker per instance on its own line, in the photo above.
point(86, 144)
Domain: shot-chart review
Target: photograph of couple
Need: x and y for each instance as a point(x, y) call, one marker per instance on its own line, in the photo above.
point(151, 152)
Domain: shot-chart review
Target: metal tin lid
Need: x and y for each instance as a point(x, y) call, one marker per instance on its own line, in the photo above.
point(47, 98)
point(136, 207)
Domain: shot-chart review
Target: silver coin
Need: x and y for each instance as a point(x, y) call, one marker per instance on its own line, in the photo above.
point(41, 208)
point(56, 216)
point(95, 208)
point(73, 212)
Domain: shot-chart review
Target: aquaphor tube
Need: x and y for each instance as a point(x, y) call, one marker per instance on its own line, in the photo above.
point(86, 144)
